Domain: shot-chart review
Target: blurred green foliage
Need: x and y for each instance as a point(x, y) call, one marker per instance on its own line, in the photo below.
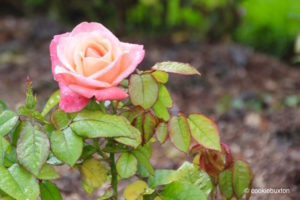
point(267, 25)
point(212, 19)
point(270, 25)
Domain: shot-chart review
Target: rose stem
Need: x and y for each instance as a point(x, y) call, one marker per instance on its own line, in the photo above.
point(114, 180)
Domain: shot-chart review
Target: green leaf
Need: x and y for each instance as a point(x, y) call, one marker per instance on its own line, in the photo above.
point(3, 106)
point(126, 165)
point(179, 132)
point(32, 148)
point(164, 96)
point(48, 173)
point(10, 157)
point(97, 124)
point(143, 157)
point(225, 183)
point(133, 114)
point(192, 174)
point(162, 132)
point(30, 98)
point(18, 183)
point(6, 198)
point(187, 173)
point(136, 190)
point(93, 174)
point(162, 177)
point(133, 141)
point(149, 124)
point(138, 122)
point(52, 101)
point(32, 114)
point(162, 104)
point(160, 76)
point(161, 111)
point(95, 106)
point(143, 90)
point(4, 145)
point(49, 191)
point(88, 151)
point(60, 119)
point(8, 121)
point(176, 67)
point(204, 131)
point(182, 191)
point(66, 145)
point(242, 177)
point(14, 135)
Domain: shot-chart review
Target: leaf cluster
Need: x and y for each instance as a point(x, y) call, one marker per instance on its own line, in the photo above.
point(111, 141)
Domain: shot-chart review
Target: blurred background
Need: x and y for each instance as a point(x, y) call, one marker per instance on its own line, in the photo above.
point(247, 51)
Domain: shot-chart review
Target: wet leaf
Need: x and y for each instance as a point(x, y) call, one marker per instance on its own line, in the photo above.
point(18, 183)
point(176, 67)
point(52, 101)
point(60, 119)
point(96, 124)
point(182, 191)
point(10, 157)
point(4, 145)
point(187, 173)
point(8, 121)
point(32, 148)
point(66, 145)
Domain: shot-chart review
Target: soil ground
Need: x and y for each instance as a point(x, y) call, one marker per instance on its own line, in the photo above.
point(243, 91)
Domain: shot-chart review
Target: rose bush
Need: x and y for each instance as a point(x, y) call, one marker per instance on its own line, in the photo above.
point(112, 141)
point(90, 62)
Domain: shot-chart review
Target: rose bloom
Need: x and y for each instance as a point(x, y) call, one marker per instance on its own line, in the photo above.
point(90, 62)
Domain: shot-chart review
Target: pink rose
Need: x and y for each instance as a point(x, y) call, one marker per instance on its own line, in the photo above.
point(90, 62)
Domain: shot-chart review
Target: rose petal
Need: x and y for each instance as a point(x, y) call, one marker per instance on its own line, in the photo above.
point(107, 73)
point(53, 52)
point(130, 60)
point(69, 100)
point(112, 93)
point(78, 79)
point(92, 26)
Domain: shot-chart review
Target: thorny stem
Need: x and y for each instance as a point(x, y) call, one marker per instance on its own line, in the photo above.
point(114, 178)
